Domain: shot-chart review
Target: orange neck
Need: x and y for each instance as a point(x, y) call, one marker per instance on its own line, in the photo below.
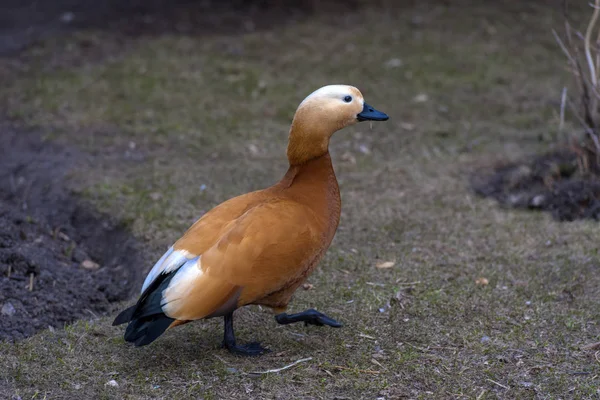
point(314, 184)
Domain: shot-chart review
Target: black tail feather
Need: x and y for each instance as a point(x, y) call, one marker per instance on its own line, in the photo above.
point(146, 318)
point(144, 331)
point(124, 316)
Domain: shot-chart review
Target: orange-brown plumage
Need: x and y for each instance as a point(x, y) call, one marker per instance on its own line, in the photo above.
point(259, 247)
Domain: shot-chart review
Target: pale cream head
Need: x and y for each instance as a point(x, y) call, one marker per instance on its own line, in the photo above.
point(321, 114)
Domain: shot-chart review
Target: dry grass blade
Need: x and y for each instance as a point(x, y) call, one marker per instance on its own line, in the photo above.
point(498, 384)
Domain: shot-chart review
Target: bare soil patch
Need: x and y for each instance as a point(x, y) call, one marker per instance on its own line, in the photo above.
point(59, 260)
point(549, 182)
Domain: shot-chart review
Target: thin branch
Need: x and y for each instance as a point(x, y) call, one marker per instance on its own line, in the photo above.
point(563, 47)
point(272, 371)
point(563, 103)
point(587, 41)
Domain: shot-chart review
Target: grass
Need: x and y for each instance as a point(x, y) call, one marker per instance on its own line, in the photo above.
point(180, 123)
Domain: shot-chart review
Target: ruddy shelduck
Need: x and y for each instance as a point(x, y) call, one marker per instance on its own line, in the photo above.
point(257, 248)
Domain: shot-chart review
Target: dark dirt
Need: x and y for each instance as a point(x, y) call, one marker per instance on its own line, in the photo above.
point(549, 182)
point(22, 22)
point(47, 235)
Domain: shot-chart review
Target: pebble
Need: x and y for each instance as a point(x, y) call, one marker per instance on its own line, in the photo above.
point(8, 309)
point(89, 264)
point(112, 383)
point(485, 339)
point(394, 63)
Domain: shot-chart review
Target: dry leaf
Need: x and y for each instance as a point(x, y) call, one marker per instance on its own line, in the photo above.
point(385, 264)
point(89, 264)
point(481, 281)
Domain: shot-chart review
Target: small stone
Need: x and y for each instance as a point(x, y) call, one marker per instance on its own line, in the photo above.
point(393, 63)
point(156, 196)
point(112, 383)
point(421, 98)
point(67, 17)
point(231, 370)
point(253, 149)
point(8, 309)
point(485, 339)
point(407, 126)
point(89, 264)
point(307, 286)
point(203, 187)
point(364, 149)
point(538, 201)
point(349, 158)
point(63, 236)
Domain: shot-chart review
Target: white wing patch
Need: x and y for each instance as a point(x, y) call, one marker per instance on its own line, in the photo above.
point(181, 284)
point(170, 261)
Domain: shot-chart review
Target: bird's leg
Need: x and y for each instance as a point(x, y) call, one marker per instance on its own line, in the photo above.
point(250, 349)
point(310, 316)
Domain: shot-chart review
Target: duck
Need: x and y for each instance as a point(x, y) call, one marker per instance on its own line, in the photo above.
point(259, 247)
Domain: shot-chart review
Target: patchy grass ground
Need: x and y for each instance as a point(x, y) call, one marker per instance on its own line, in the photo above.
point(178, 123)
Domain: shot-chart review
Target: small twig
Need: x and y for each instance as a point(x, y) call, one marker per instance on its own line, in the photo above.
point(9, 271)
point(271, 371)
point(597, 356)
point(563, 47)
point(481, 395)
point(31, 281)
point(499, 384)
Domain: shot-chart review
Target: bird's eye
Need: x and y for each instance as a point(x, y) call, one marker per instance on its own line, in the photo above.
point(348, 99)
